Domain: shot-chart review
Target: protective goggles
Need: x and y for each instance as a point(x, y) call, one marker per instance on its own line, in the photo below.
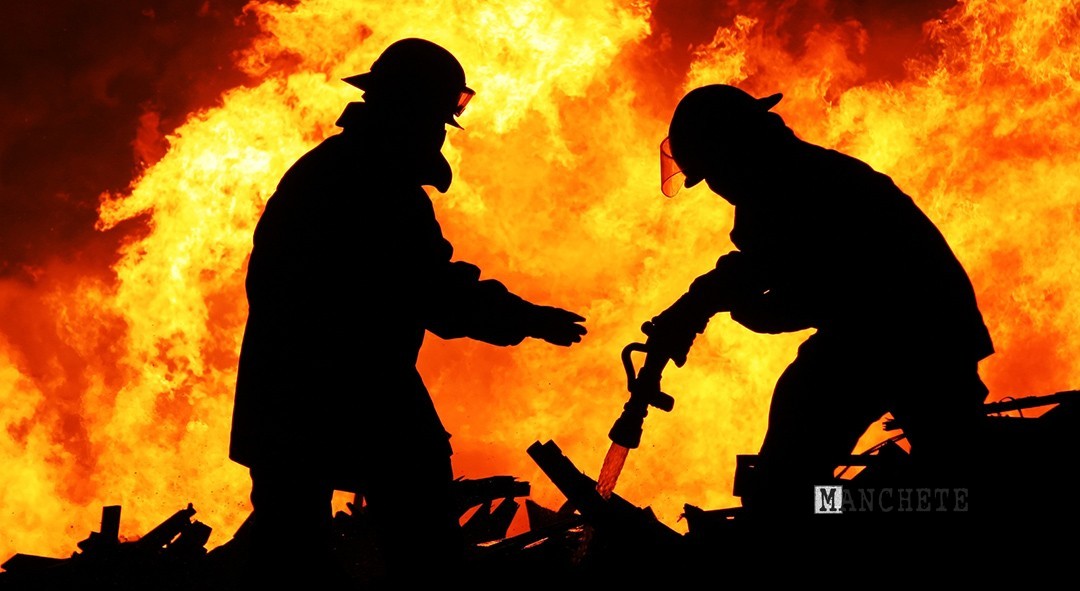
point(463, 99)
point(672, 178)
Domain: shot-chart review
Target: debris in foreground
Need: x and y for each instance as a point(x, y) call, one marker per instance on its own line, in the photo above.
point(173, 555)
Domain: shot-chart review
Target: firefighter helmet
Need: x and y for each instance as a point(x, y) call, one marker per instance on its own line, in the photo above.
point(417, 74)
point(705, 119)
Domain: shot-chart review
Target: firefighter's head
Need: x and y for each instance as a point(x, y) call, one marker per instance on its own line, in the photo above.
point(719, 134)
point(416, 80)
point(414, 90)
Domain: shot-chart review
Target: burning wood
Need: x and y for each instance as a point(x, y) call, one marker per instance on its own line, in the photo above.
point(487, 525)
point(168, 556)
point(543, 524)
point(589, 537)
point(162, 535)
point(472, 492)
point(628, 531)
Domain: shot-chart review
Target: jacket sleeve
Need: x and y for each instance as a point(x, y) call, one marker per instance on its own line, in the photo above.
point(772, 313)
point(456, 303)
point(737, 285)
point(733, 280)
point(466, 306)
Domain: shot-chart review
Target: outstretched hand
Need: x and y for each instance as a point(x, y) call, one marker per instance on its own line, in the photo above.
point(557, 326)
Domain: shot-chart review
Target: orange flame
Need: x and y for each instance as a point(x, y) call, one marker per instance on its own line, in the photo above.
point(556, 195)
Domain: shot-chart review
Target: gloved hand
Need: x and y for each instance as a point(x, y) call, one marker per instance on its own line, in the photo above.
point(672, 332)
point(556, 326)
point(669, 339)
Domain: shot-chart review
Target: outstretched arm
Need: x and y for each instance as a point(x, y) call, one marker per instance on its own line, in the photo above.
point(459, 304)
point(731, 282)
point(466, 306)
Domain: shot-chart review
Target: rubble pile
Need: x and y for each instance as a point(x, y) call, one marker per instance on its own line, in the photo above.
point(1023, 504)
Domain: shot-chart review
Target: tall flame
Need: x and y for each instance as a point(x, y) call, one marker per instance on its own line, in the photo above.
point(556, 195)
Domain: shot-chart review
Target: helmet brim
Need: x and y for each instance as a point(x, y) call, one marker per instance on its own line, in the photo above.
point(363, 82)
point(768, 102)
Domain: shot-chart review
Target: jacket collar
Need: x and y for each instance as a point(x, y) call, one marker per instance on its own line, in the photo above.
point(430, 168)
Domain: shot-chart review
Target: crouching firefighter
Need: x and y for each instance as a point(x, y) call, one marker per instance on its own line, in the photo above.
point(823, 241)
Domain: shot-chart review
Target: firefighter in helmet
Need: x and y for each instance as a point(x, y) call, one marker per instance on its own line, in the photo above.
point(823, 241)
point(349, 270)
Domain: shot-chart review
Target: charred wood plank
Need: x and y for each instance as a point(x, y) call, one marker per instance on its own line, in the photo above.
point(1031, 401)
point(616, 515)
point(109, 536)
point(554, 526)
point(192, 540)
point(110, 524)
point(167, 530)
point(487, 525)
point(20, 563)
point(540, 516)
point(469, 493)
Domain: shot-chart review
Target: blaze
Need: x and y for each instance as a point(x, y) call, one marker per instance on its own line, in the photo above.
point(124, 396)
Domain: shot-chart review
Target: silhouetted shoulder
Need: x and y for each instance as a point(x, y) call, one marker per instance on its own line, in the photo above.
point(841, 170)
point(336, 158)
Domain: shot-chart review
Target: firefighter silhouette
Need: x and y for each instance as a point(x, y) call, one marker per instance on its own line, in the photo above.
point(349, 269)
point(825, 242)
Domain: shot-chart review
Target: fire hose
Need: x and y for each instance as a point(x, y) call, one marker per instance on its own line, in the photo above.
point(625, 434)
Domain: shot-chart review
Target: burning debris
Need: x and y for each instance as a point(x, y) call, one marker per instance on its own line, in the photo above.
point(173, 555)
point(592, 539)
point(166, 557)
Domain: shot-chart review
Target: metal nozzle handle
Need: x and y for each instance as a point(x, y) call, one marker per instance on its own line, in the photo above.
point(634, 380)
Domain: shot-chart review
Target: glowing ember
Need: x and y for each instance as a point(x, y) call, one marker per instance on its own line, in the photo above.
point(556, 195)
